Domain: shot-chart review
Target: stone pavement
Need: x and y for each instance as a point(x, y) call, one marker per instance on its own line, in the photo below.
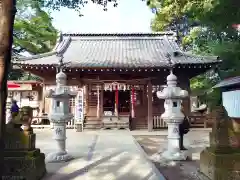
point(108, 154)
point(153, 142)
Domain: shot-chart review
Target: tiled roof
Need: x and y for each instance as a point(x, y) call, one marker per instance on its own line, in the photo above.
point(117, 50)
point(228, 82)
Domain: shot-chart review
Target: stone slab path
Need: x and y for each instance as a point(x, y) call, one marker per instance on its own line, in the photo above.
point(153, 142)
point(99, 155)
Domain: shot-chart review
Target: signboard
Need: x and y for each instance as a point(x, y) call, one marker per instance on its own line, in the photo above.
point(231, 102)
point(79, 106)
point(21, 87)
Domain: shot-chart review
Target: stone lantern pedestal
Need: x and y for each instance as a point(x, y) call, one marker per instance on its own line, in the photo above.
point(173, 116)
point(59, 117)
point(22, 160)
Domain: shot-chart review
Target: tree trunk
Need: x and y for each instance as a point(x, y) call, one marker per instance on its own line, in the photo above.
point(7, 14)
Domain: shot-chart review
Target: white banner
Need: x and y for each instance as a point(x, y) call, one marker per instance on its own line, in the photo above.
point(79, 106)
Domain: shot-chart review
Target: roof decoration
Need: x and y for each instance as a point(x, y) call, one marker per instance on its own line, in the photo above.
point(124, 50)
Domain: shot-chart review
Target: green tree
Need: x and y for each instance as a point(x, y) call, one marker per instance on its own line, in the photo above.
point(217, 14)
point(33, 33)
point(214, 35)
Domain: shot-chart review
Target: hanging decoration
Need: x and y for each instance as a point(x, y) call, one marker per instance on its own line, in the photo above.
point(121, 86)
point(133, 102)
point(116, 100)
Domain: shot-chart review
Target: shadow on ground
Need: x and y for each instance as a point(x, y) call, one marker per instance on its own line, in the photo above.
point(181, 170)
point(96, 158)
point(101, 168)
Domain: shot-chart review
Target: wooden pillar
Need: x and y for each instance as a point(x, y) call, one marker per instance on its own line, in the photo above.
point(145, 95)
point(86, 98)
point(186, 102)
point(98, 101)
point(101, 99)
point(43, 98)
point(150, 116)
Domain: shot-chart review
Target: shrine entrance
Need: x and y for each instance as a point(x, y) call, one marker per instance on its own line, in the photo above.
point(108, 101)
point(123, 103)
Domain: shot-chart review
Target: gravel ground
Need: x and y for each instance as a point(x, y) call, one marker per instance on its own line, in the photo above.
point(181, 170)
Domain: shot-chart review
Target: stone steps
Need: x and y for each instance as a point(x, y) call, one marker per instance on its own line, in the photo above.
point(93, 124)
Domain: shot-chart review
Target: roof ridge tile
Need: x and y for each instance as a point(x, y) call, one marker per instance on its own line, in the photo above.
point(139, 34)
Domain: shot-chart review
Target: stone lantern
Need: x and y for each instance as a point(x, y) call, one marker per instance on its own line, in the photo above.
point(59, 116)
point(173, 116)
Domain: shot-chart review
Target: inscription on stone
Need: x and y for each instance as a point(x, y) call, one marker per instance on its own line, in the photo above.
point(210, 168)
point(58, 131)
point(175, 130)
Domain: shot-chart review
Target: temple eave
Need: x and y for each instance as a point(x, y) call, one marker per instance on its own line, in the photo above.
point(117, 68)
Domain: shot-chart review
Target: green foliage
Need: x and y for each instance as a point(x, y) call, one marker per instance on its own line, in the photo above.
point(33, 29)
point(217, 14)
point(33, 33)
point(36, 35)
point(75, 4)
point(215, 36)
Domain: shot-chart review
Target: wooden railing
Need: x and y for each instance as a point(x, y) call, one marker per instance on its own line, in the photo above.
point(70, 125)
point(158, 122)
point(195, 121)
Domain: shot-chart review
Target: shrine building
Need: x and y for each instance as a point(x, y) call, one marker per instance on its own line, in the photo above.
point(118, 73)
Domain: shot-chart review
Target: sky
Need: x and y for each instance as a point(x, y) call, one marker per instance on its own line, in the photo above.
point(129, 16)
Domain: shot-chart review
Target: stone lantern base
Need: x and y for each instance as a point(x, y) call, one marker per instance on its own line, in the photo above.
point(175, 156)
point(21, 159)
point(167, 156)
point(173, 152)
point(58, 157)
point(60, 154)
